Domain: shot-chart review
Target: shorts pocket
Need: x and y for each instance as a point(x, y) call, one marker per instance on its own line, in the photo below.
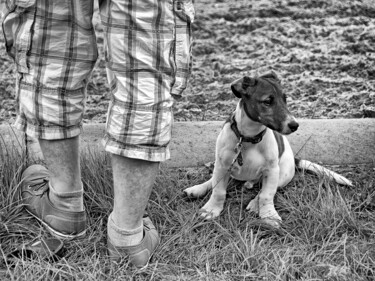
point(18, 19)
point(184, 17)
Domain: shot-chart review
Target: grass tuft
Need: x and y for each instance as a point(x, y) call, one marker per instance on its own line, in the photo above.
point(328, 231)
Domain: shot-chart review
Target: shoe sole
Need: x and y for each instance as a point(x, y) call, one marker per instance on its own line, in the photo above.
point(56, 233)
point(149, 259)
point(147, 264)
point(139, 269)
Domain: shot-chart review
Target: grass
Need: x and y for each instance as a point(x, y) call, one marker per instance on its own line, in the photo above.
point(328, 231)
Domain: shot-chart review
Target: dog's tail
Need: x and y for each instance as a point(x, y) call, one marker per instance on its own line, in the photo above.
point(320, 170)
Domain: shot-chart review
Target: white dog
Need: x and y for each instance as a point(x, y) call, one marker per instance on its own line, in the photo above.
point(251, 147)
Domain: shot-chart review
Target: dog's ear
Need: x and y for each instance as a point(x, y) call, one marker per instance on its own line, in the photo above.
point(240, 86)
point(271, 75)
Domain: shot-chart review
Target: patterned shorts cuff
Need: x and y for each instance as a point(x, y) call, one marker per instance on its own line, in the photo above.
point(152, 154)
point(47, 132)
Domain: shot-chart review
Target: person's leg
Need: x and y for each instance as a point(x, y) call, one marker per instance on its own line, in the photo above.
point(54, 58)
point(63, 162)
point(132, 182)
point(147, 47)
point(55, 196)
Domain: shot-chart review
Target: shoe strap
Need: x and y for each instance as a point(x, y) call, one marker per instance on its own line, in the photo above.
point(39, 188)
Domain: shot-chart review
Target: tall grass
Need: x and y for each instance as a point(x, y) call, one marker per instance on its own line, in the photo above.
point(328, 231)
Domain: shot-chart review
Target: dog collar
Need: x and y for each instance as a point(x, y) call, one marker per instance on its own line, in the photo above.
point(256, 139)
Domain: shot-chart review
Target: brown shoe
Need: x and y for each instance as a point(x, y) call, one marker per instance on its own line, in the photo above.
point(34, 193)
point(138, 255)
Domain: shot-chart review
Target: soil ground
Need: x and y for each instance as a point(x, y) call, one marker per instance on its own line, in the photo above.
point(323, 51)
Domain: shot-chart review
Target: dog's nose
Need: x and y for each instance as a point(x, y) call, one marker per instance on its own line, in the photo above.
point(293, 126)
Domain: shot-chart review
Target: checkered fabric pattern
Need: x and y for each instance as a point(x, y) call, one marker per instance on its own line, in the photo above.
point(148, 55)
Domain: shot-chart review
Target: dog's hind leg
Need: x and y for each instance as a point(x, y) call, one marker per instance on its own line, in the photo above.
point(199, 190)
point(250, 184)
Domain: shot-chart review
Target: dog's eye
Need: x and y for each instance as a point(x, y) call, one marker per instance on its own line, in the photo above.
point(268, 101)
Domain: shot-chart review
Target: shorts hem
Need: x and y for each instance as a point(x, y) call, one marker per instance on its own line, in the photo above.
point(47, 132)
point(155, 154)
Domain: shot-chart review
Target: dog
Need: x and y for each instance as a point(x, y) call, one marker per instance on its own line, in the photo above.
point(252, 146)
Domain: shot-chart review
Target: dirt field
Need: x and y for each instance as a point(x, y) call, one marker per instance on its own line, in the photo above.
point(323, 51)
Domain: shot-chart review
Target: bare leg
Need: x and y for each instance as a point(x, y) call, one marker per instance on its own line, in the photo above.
point(133, 180)
point(63, 162)
point(62, 157)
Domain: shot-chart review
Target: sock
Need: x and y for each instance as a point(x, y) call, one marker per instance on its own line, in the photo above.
point(70, 201)
point(123, 237)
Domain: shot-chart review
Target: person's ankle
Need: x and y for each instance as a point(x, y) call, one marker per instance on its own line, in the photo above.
point(121, 237)
point(69, 201)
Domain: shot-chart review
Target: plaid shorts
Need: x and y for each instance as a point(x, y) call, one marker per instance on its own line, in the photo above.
point(148, 61)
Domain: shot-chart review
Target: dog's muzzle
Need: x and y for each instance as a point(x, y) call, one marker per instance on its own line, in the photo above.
point(293, 126)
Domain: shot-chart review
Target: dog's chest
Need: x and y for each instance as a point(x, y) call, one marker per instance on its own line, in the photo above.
point(248, 165)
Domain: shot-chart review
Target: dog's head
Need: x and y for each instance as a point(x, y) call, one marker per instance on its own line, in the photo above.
point(264, 102)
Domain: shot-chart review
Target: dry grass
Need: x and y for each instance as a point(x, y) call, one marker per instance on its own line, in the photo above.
point(328, 231)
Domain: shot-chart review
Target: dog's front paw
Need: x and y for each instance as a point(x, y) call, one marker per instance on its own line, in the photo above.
point(270, 216)
point(253, 206)
point(210, 211)
point(274, 222)
point(197, 191)
point(267, 212)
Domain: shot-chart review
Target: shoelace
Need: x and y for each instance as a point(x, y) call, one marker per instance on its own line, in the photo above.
point(39, 186)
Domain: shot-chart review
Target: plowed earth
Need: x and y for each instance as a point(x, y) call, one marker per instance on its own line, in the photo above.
point(324, 52)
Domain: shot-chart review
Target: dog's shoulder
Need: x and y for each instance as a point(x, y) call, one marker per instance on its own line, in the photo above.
point(228, 120)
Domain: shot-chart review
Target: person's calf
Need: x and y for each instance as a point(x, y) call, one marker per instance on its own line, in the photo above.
point(63, 162)
point(65, 185)
point(133, 180)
